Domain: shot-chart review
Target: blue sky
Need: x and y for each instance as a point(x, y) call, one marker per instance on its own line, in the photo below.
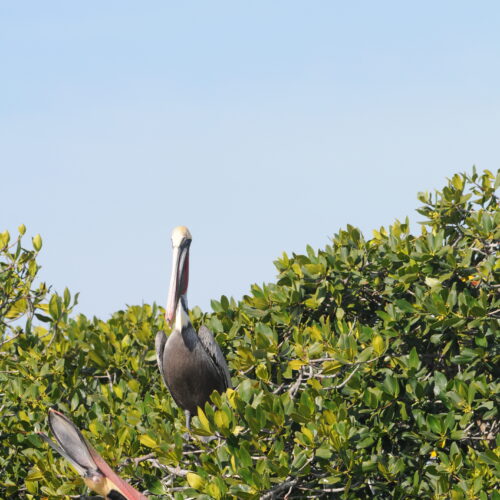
point(262, 126)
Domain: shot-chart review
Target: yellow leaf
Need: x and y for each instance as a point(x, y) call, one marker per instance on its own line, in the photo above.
point(378, 345)
point(18, 309)
point(37, 242)
point(315, 384)
point(105, 390)
point(314, 268)
point(134, 363)
point(330, 367)
point(194, 480)
point(32, 487)
point(93, 428)
point(97, 359)
point(213, 491)
point(22, 416)
point(237, 430)
point(147, 441)
point(432, 282)
point(204, 420)
point(296, 364)
point(34, 475)
point(118, 391)
point(123, 435)
point(4, 239)
point(261, 372)
point(221, 419)
point(231, 397)
point(134, 385)
point(298, 271)
point(307, 433)
point(315, 333)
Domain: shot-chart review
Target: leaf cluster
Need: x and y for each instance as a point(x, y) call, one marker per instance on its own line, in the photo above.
point(368, 369)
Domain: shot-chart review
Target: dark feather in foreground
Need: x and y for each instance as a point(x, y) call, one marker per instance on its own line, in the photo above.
point(96, 473)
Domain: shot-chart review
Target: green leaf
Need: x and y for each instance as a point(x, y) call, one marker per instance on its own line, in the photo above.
point(55, 308)
point(391, 385)
point(413, 360)
point(325, 453)
point(364, 363)
point(67, 297)
point(434, 423)
point(405, 306)
point(365, 443)
point(261, 372)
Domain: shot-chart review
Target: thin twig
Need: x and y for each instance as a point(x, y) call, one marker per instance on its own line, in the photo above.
point(138, 460)
point(11, 338)
point(277, 489)
point(339, 386)
point(278, 389)
point(193, 452)
point(52, 339)
point(176, 471)
point(295, 387)
point(246, 371)
point(110, 380)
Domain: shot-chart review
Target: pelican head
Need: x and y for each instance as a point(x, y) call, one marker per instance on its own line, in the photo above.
point(181, 240)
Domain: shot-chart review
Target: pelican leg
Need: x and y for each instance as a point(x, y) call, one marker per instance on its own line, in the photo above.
point(187, 435)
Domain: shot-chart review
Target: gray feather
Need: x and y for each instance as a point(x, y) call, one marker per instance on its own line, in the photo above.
point(214, 351)
point(70, 444)
point(160, 341)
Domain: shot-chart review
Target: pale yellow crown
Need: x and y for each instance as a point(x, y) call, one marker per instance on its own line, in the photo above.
point(179, 234)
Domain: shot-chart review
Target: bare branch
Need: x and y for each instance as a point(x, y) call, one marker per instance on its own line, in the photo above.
point(11, 338)
point(273, 493)
point(295, 387)
point(110, 381)
point(339, 386)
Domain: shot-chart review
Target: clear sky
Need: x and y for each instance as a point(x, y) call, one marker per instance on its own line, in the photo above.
point(262, 126)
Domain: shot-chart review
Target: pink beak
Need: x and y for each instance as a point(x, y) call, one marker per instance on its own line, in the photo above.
point(178, 280)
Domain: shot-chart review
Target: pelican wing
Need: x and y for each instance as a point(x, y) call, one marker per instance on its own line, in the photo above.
point(71, 444)
point(88, 463)
point(210, 345)
point(160, 341)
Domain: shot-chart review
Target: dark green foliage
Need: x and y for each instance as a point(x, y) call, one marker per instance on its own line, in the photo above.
point(369, 369)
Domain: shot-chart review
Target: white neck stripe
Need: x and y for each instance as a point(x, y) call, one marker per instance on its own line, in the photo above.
point(181, 316)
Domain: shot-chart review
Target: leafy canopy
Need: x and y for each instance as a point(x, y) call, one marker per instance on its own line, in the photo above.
point(369, 369)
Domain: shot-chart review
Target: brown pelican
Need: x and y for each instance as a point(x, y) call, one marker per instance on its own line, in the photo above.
point(191, 364)
point(96, 473)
